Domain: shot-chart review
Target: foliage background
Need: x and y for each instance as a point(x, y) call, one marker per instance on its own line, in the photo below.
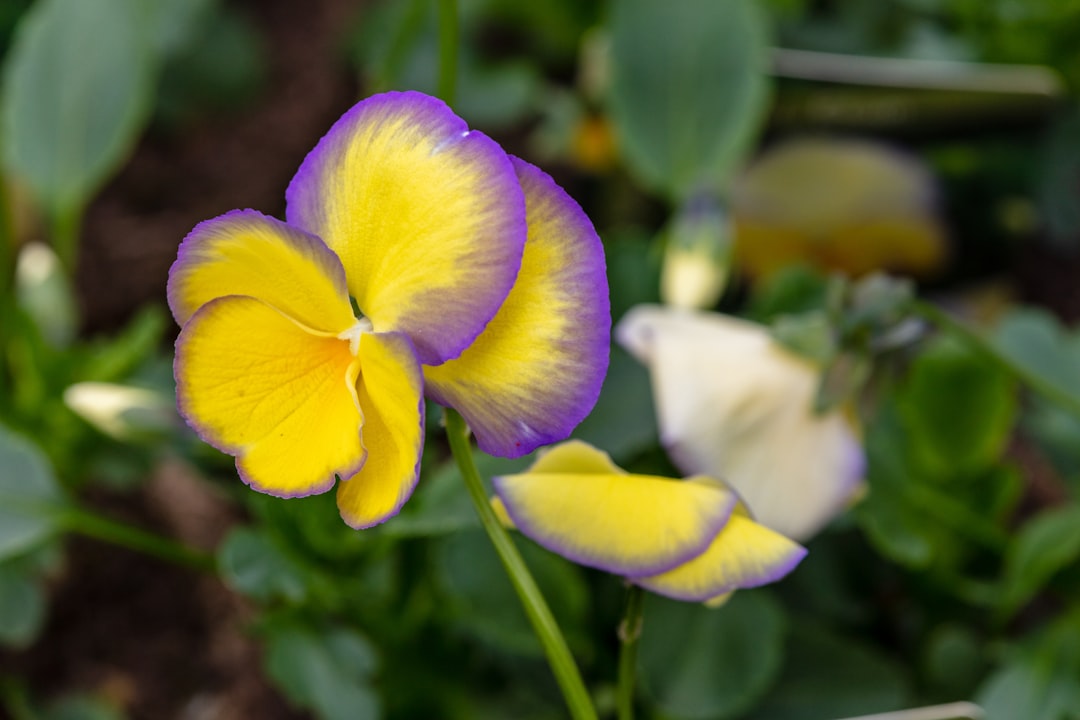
point(125, 122)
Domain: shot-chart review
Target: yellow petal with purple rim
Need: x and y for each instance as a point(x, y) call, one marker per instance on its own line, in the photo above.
point(624, 524)
point(390, 389)
point(575, 456)
point(282, 400)
point(247, 253)
point(427, 218)
point(743, 555)
point(536, 370)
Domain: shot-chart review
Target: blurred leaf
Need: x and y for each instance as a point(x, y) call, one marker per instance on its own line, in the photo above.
point(82, 707)
point(633, 270)
point(116, 358)
point(688, 89)
point(795, 289)
point(488, 606)
point(809, 334)
point(1042, 679)
point(252, 564)
point(28, 490)
point(826, 676)
point(1044, 545)
point(326, 671)
point(22, 606)
point(77, 88)
point(953, 660)
point(173, 23)
point(705, 663)
point(958, 408)
point(1036, 341)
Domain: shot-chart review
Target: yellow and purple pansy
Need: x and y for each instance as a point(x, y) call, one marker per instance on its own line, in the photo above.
point(479, 282)
point(689, 539)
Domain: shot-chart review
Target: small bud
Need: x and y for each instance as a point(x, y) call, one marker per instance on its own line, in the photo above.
point(698, 255)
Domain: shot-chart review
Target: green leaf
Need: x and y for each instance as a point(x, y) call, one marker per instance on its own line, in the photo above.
point(22, 606)
point(28, 495)
point(1042, 679)
point(486, 602)
point(77, 88)
point(699, 662)
point(826, 676)
point(252, 564)
point(688, 88)
point(958, 408)
point(326, 670)
point(1045, 544)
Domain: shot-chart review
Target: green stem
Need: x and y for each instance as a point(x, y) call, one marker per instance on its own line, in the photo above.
point(102, 528)
point(64, 230)
point(558, 654)
point(629, 634)
point(1037, 383)
point(448, 50)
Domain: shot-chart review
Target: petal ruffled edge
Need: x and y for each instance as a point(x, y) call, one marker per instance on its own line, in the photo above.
point(244, 252)
point(536, 371)
point(426, 215)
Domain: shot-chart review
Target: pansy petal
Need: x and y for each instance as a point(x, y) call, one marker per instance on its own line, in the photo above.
point(575, 456)
point(247, 253)
point(624, 524)
point(391, 393)
point(733, 403)
point(744, 554)
point(427, 217)
point(536, 370)
point(256, 385)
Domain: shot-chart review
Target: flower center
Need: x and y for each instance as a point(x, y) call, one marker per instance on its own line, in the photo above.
point(362, 325)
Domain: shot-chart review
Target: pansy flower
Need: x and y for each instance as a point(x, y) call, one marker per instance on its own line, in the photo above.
point(417, 258)
point(688, 539)
point(732, 402)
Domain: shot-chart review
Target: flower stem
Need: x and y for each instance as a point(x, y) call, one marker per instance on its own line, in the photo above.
point(629, 634)
point(448, 50)
point(1036, 383)
point(558, 654)
point(102, 528)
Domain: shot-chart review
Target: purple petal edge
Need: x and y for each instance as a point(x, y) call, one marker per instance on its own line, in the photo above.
point(197, 234)
point(432, 346)
point(777, 573)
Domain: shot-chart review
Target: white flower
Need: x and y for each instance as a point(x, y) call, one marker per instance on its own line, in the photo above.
point(733, 403)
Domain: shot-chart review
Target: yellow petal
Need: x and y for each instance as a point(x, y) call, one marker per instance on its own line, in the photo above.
point(536, 370)
point(624, 524)
point(247, 253)
point(744, 554)
point(427, 218)
point(575, 457)
point(391, 393)
point(256, 385)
